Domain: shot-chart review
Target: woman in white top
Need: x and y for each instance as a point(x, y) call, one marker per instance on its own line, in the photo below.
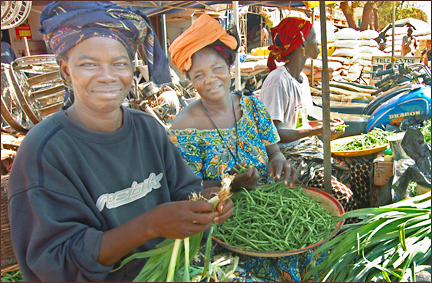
point(285, 92)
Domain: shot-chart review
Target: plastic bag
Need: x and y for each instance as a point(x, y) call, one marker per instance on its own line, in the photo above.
point(417, 168)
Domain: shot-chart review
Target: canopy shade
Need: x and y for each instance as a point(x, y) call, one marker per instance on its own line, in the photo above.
point(155, 8)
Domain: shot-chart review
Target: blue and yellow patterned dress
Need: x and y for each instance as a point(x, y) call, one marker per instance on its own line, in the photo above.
point(207, 154)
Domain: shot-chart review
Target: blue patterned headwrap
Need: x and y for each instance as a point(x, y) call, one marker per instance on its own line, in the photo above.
point(64, 24)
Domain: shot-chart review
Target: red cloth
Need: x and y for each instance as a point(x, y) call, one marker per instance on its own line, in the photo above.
point(291, 32)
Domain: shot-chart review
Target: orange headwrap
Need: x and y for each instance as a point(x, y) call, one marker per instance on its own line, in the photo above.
point(204, 31)
point(291, 32)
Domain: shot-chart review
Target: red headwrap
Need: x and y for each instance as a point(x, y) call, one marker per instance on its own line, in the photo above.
point(291, 32)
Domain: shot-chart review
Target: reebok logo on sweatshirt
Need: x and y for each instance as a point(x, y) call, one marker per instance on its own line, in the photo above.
point(128, 195)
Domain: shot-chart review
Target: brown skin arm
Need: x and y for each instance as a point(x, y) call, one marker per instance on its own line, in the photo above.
point(289, 135)
point(173, 220)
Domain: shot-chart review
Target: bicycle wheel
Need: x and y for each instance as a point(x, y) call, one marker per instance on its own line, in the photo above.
point(36, 64)
point(39, 96)
point(22, 12)
point(5, 8)
point(14, 119)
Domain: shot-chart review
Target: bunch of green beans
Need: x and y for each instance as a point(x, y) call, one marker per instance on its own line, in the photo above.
point(341, 127)
point(14, 276)
point(241, 169)
point(373, 139)
point(275, 218)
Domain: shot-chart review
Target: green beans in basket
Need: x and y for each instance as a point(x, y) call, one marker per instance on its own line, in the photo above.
point(373, 139)
point(275, 218)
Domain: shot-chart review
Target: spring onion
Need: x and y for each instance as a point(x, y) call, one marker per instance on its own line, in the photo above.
point(391, 243)
point(172, 253)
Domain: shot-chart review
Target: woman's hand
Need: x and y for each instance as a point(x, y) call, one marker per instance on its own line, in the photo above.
point(337, 128)
point(278, 166)
point(224, 208)
point(245, 180)
point(182, 219)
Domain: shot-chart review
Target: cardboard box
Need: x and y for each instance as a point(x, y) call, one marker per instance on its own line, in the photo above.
point(383, 171)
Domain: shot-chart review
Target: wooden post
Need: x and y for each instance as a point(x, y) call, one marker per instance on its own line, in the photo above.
point(312, 61)
point(325, 100)
point(393, 33)
point(26, 46)
point(237, 75)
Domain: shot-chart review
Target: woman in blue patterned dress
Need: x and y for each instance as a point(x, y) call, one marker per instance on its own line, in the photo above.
point(222, 130)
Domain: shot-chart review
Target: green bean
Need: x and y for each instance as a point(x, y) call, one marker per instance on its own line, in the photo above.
point(373, 139)
point(14, 276)
point(275, 218)
point(340, 127)
point(242, 168)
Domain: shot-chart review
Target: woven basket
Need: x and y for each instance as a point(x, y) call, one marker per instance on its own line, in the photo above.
point(8, 260)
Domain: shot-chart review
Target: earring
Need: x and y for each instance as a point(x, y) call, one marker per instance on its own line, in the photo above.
point(303, 51)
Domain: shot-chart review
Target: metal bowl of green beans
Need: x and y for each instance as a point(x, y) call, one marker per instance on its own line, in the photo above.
point(275, 221)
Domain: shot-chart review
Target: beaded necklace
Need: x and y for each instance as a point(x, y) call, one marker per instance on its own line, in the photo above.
point(220, 135)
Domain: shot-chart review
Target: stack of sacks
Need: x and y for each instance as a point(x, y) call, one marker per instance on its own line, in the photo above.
point(368, 48)
point(345, 53)
point(333, 67)
point(250, 68)
point(346, 43)
point(331, 37)
point(400, 32)
point(355, 49)
point(317, 69)
point(367, 45)
point(340, 74)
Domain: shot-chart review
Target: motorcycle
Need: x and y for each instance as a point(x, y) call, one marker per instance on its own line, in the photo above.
point(404, 91)
point(411, 98)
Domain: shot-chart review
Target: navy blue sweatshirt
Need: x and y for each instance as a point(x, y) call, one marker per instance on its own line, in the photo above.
point(69, 184)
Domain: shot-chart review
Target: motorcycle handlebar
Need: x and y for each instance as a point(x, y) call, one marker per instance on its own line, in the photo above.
point(385, 72)
point(380, 83)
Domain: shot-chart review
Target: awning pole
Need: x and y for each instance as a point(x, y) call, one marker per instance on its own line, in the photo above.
point(237, 78)
point(312, 61)
point(393, 33)
point(164, 36)
point(325, 100)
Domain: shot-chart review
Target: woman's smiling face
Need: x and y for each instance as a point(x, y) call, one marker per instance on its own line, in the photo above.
point(210, 74)
point(100, 71)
